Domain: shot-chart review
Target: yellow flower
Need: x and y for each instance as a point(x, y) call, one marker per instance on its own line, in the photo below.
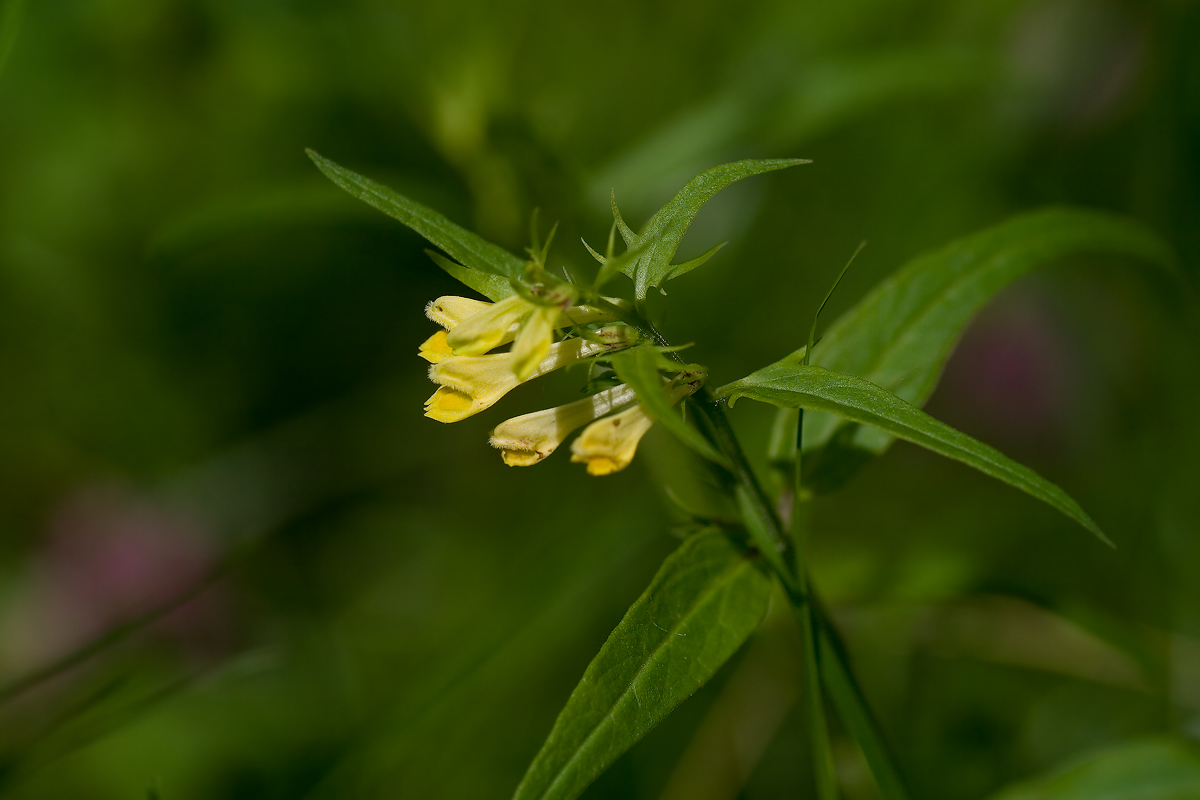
point(475, 327)
point(450, 310)
point(609, 444)
point(469, 384)
point(534, 339)
point(527, 439)
point(490, 327)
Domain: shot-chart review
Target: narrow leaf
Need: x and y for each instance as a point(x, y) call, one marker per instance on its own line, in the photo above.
point(493, 287)
point(664, 231)
point(901, 334)
point(612, 265)
point(463, 246)
point(707, 598)
point(688, 266)
point(849, 397)
point(639, 368)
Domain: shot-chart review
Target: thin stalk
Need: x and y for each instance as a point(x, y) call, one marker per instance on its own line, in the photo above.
point(824, 773)
point(853, 709)
point(759, 515)
point(765, 528)
point(833, 660)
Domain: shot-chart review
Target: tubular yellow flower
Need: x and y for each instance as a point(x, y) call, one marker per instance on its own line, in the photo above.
point(450, 310)
point(489, 327)
point(608, 445)
point(475, 327)
point(527, 439)
point(469, 384)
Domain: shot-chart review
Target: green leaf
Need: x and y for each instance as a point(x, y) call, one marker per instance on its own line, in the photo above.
point(901, 334)
point(664, 231)
point(849, 397)
point(1152, 769)
point(707, 598)
point(688, 266)
point(639, 367)
point(611, 265)
point(493, 287)
point(463, 246)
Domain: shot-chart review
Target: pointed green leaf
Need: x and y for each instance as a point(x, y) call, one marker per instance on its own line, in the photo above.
point(901, 334)
point(493, 287)
point(1147, 769)
point(707, 598)
point(664, 231)
point(639, 367)
point(817, 389)
point(612, 265)
point(463, 246)
point(688, 266)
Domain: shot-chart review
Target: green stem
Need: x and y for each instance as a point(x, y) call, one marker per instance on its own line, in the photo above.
point(853, 709)
point(818, 727)
point(833, 661)
point(763, 525)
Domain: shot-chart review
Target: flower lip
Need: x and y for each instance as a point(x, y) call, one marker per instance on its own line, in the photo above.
point(474, 383)
point(609, 444)
point(435, 348)
point(527, 439)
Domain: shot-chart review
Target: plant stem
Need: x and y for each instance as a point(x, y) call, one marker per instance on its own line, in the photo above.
point(818, 728)
point(764, 527)
point(833, 661)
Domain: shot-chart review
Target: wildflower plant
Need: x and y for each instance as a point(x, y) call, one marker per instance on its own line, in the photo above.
point(842, 400)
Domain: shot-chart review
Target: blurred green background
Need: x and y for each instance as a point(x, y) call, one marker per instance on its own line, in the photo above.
point(207, 368)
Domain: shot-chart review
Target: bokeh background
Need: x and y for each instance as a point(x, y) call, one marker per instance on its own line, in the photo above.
point(279, 580)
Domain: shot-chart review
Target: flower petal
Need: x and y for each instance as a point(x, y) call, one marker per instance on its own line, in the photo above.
point(435, 348)
point(527, 439)
point(450, 310)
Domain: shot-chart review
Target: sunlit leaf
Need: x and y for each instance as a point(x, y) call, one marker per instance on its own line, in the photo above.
point(664, 231)
point(463, 246)
point(1154, 769)
point(900, 335)
point(707, 598)
point(639, 368)
point(792, 385)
